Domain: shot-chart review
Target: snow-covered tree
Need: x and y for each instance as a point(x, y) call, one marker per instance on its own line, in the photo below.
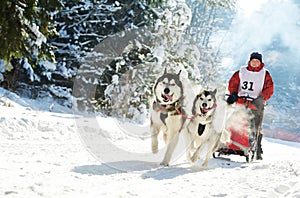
point(142, 60)
point(109, 53)
point(134, 65)
point(80, 26)
point(136, 59)
point(24, 28)
point(84, 24)
point(209, 17)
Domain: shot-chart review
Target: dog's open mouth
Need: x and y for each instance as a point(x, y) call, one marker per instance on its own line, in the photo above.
point(167, 97)
point(204, 110)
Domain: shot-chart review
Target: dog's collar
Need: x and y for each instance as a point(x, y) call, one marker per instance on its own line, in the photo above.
point(168, 108)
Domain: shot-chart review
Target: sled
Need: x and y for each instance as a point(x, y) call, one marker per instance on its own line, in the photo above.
point(243, 141)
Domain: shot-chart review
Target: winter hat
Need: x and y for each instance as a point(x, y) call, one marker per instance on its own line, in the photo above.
point(256, 55)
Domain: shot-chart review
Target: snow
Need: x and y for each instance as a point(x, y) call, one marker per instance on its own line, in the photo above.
point(28, 68)
point(45, 154)
point(63, 154)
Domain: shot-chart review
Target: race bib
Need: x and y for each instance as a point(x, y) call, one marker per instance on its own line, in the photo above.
point(251, 83)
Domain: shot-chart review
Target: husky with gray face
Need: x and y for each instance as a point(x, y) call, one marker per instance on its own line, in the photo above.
point(166, 113)
point(204, 138)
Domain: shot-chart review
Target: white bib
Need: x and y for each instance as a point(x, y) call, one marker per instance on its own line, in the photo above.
point(251, 83)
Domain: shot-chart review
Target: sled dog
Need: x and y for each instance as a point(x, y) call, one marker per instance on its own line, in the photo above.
point(165, 113)
point(204, 138)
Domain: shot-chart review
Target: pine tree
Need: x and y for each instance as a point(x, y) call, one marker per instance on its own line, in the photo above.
point(172, 47)
point(24, 27)
point(96, 67)
point(80, 26)
point(133, 61)
point(142, 60)
point(84, 24)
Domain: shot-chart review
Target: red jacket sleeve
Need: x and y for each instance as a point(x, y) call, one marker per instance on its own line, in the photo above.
point(234, 82)
point(268, 88)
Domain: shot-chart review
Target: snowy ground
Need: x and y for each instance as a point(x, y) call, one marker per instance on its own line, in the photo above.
point(43, 155)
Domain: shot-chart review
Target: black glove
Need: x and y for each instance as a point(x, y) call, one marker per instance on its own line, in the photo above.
point(258, 102)
point(232, 98)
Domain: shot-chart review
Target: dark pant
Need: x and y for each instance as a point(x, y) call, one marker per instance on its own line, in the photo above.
point(256, 121)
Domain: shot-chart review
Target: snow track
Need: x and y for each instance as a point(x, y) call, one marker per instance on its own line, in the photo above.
point(42, 155)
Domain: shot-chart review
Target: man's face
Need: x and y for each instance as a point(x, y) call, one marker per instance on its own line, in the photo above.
point(255, 63)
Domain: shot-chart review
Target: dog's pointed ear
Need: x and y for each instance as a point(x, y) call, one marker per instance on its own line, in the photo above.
point(165, 70)
point(215, 91)
point(200, 91)
point(179, 73)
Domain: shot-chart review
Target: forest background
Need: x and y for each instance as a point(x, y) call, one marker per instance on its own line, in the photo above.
point(104, 56)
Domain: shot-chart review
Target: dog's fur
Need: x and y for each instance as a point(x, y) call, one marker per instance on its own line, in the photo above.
point(165, 113)
point(204, 139)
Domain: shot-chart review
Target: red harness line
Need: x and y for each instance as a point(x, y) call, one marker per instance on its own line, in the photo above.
point(179, 112)
point(185, 116)
point(161, 109)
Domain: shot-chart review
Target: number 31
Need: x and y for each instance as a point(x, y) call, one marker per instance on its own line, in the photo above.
point(248, 85)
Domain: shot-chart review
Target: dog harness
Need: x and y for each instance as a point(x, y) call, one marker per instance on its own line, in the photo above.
point(178, 110)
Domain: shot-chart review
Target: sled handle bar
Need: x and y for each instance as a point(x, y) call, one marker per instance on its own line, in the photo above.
point(245, 97)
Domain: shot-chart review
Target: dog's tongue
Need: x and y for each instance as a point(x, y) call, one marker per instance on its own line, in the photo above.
point(168, 97)
point(204, 110)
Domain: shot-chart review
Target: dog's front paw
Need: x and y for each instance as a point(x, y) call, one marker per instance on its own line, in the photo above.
point(205, 163)
point(194, 158)
point(164, 163)
point(188, 156)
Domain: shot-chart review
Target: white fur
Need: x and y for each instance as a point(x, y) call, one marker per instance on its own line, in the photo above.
point(173, 122)
point(212, 137)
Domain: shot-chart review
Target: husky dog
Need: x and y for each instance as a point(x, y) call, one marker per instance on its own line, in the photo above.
point(204, 139)
point(166, 113)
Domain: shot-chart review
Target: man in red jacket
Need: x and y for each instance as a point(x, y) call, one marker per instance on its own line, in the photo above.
point(252, 86)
